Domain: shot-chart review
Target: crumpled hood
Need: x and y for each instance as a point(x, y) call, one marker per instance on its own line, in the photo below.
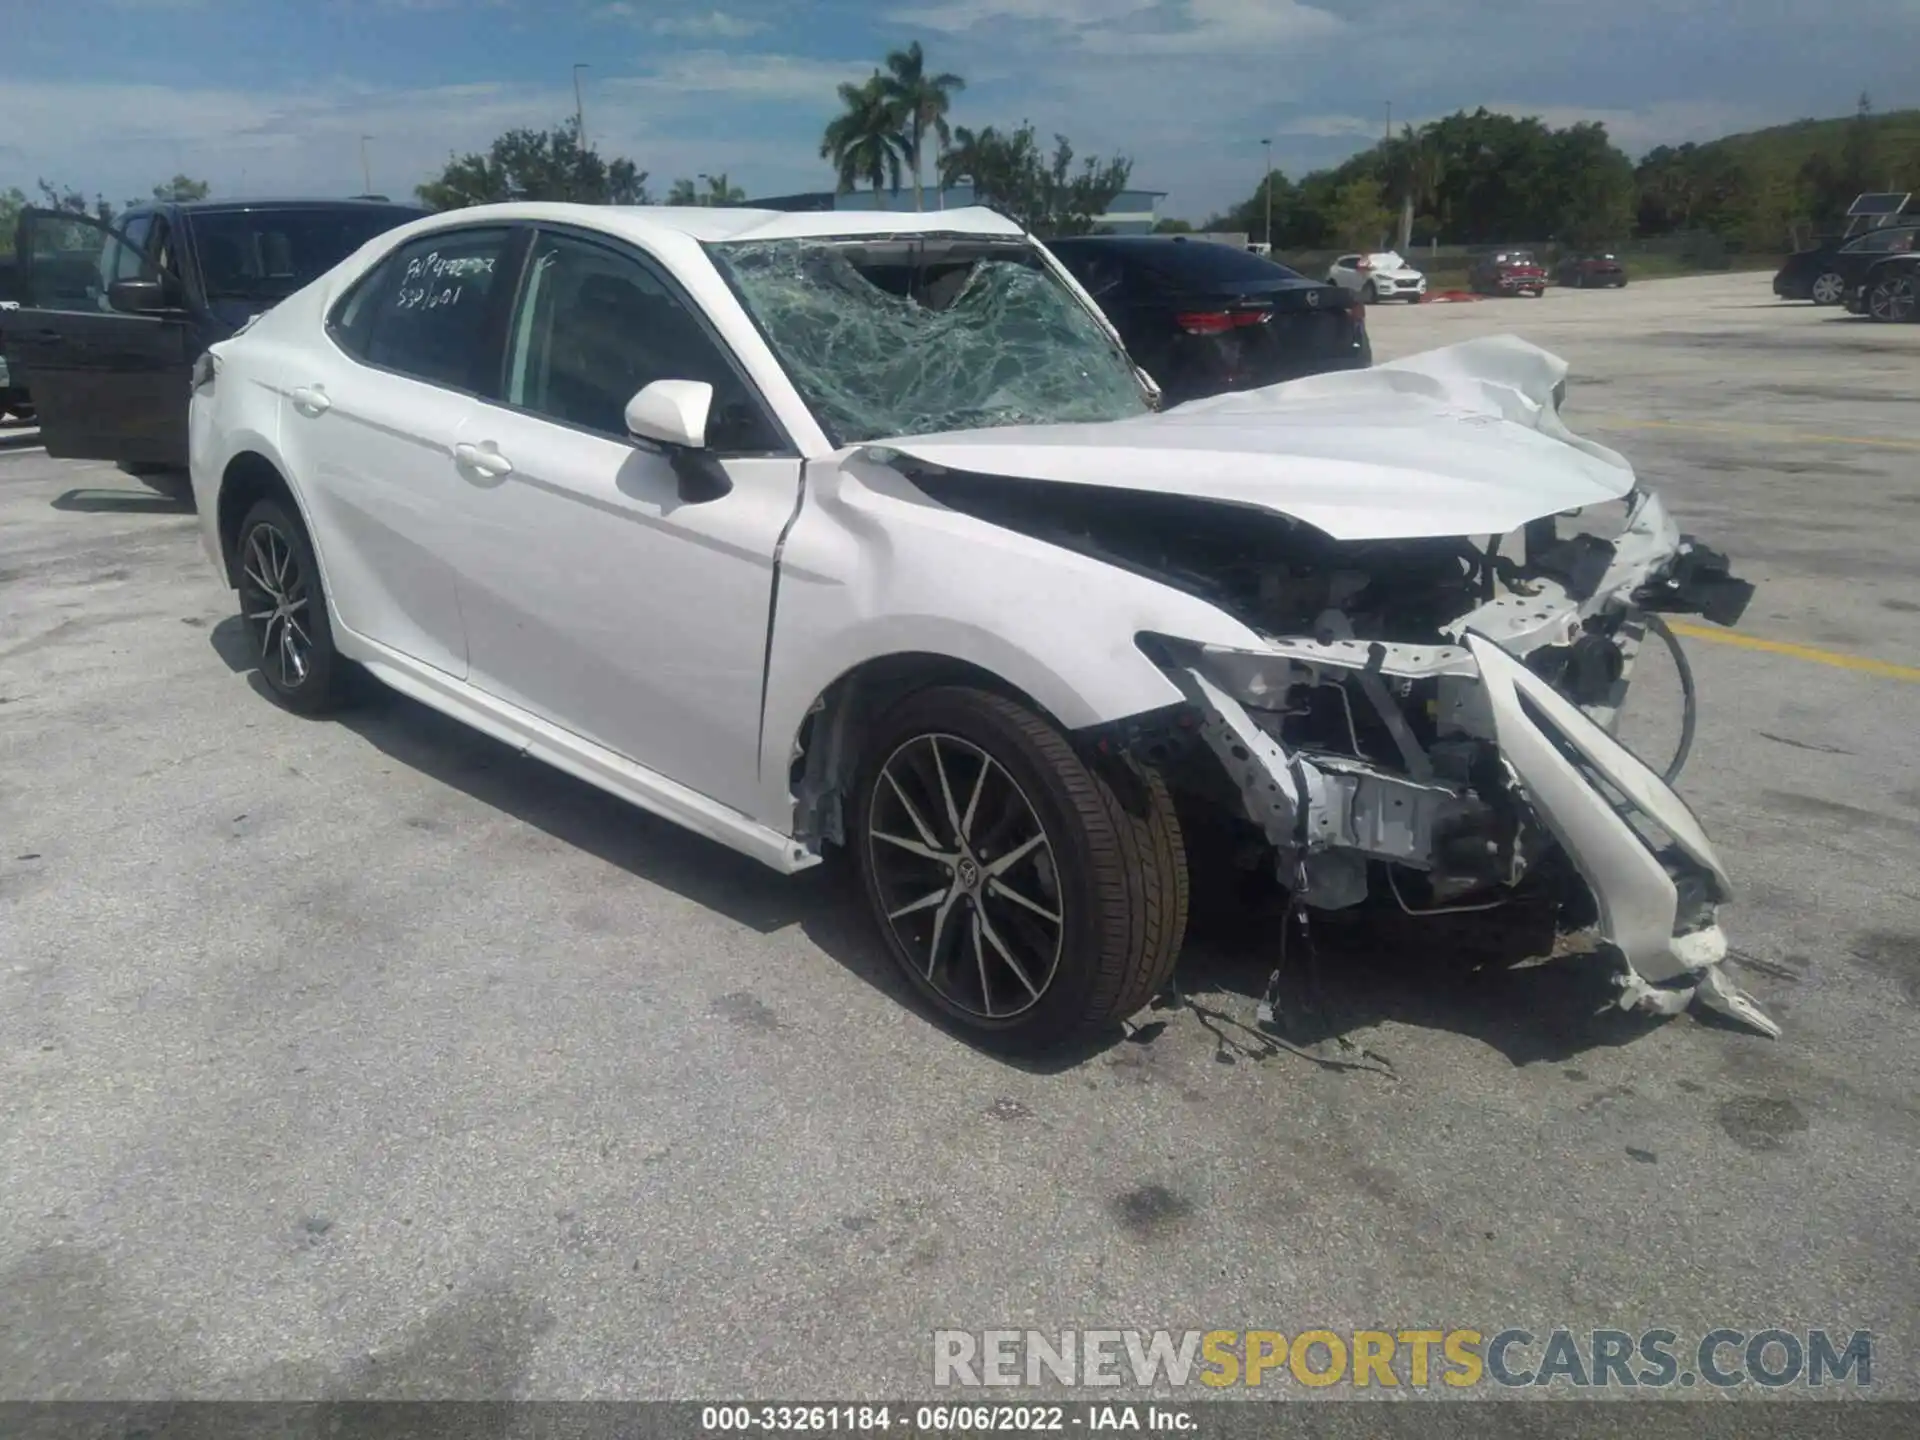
point(1462, 440)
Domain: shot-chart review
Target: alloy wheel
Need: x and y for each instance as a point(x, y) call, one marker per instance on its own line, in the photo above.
point(1828, 288)
point(966, 876)
point(1892, 300)
point(273, 598)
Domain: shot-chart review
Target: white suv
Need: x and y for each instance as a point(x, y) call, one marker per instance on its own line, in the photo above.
point(1379, 276)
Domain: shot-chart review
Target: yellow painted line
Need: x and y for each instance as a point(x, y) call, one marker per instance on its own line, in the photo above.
point(1886, 669)
point(1755, 432)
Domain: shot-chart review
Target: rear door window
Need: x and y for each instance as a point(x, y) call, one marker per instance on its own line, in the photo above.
point(424, 311)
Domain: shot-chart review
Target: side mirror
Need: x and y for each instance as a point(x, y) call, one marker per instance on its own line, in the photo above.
point(141, 297)
point(673, 414)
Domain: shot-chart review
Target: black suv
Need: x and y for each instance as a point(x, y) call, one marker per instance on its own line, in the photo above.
point(112, 316)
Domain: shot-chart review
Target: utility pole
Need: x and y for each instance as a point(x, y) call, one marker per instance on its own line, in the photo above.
point(366, 169)
point(579, 107)
point(1267, 191)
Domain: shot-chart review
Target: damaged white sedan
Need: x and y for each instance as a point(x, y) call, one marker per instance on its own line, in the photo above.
point(862, 531)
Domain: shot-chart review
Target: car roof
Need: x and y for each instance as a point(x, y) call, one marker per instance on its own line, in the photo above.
point(356, 202)
point(715, 224)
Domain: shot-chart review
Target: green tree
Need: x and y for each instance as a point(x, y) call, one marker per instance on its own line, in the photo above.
point(182, 188)
point(1412, 166)
point(719, 191)
point(1358, 216)
point(919, 103)
point(864, 141)
point(12, 201)
point(1045, 194)
point(1587, 188)
point(1171, 226)
point(73, 202)
point(536, 165)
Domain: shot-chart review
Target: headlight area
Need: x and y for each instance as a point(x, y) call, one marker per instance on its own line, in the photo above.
point(1378, 753)
point(1454, 778)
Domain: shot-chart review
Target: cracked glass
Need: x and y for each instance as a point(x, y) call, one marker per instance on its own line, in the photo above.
point(914, 337)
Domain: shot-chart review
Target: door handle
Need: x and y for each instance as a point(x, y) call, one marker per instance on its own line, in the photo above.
point(49, 337)
point(485, 458)
point(311, 400)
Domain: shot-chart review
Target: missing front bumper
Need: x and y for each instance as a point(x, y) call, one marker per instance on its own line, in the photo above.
point(1653, 876)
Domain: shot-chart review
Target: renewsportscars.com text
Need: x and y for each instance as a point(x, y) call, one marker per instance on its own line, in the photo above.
point(1416, 1359)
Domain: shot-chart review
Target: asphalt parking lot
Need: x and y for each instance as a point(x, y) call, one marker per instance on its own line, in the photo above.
point(358, 1057)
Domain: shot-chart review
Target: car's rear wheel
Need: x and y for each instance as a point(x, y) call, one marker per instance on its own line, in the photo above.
point(285, 610)
point(1828, 288)
point(1030, 897)
point(1892, 300)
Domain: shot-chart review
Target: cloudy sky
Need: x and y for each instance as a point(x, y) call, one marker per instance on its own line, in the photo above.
point(269, 97)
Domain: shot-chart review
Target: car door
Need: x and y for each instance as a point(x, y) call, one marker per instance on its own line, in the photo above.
point(1345, 271)
point(370, 415)
point(108, 385)
point(595, 596)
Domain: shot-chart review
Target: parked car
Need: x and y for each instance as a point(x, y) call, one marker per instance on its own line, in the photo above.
point(15, 400)
point(1864, 254)
point(1890, 290)
point(1510, 272)
point(1828, 272)
point(1202, 318)
point(112, 316)
point(1382, 275)
point(850, 529)
point(1590, 272)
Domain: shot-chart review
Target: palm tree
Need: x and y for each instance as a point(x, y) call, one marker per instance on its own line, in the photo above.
point(1414, 166)
point(720, 191)
point(920, 102)
point(683, 192)
point(864, 140)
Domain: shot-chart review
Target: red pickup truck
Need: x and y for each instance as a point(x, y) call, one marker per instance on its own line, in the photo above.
point(1510, 272)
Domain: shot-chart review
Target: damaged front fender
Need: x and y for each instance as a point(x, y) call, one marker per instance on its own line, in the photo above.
point(1512, 768)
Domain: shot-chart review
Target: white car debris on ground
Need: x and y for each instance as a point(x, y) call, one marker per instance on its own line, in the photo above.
point(1383, 275)
point(837, 530)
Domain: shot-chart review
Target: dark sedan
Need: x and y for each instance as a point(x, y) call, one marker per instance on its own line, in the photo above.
point(1831, 270)
point(1203, 318)
point(1890, 290)
point(1590, 271)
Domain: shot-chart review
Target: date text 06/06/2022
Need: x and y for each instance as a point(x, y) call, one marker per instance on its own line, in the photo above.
point(963, 1419)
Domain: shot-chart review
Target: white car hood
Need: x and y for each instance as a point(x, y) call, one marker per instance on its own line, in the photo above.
point(1463, 440)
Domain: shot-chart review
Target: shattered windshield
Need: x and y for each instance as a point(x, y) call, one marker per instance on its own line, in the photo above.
point(913, 336)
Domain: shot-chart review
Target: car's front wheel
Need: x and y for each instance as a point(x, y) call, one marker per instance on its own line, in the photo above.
point(285, 610)
point(1893, 301)
point(1031, 897)
point(1370, 293)
point(1828, 288)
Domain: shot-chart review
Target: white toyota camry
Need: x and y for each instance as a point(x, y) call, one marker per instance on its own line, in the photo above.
point(848, 530)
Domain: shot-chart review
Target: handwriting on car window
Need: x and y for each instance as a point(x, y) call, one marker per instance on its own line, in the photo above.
point(434, 281)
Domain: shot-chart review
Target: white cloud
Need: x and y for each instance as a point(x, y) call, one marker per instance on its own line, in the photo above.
point(698, 25)
point(715, 24)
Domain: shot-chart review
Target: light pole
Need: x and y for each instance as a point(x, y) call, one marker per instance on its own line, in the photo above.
point(366, 169)
point(1267, 191)
point(579, 107)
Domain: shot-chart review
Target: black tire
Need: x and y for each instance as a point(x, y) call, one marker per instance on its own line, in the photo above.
point(273, 546)
point(1112, 848)
point(1891, 300)
point(1369, 294)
